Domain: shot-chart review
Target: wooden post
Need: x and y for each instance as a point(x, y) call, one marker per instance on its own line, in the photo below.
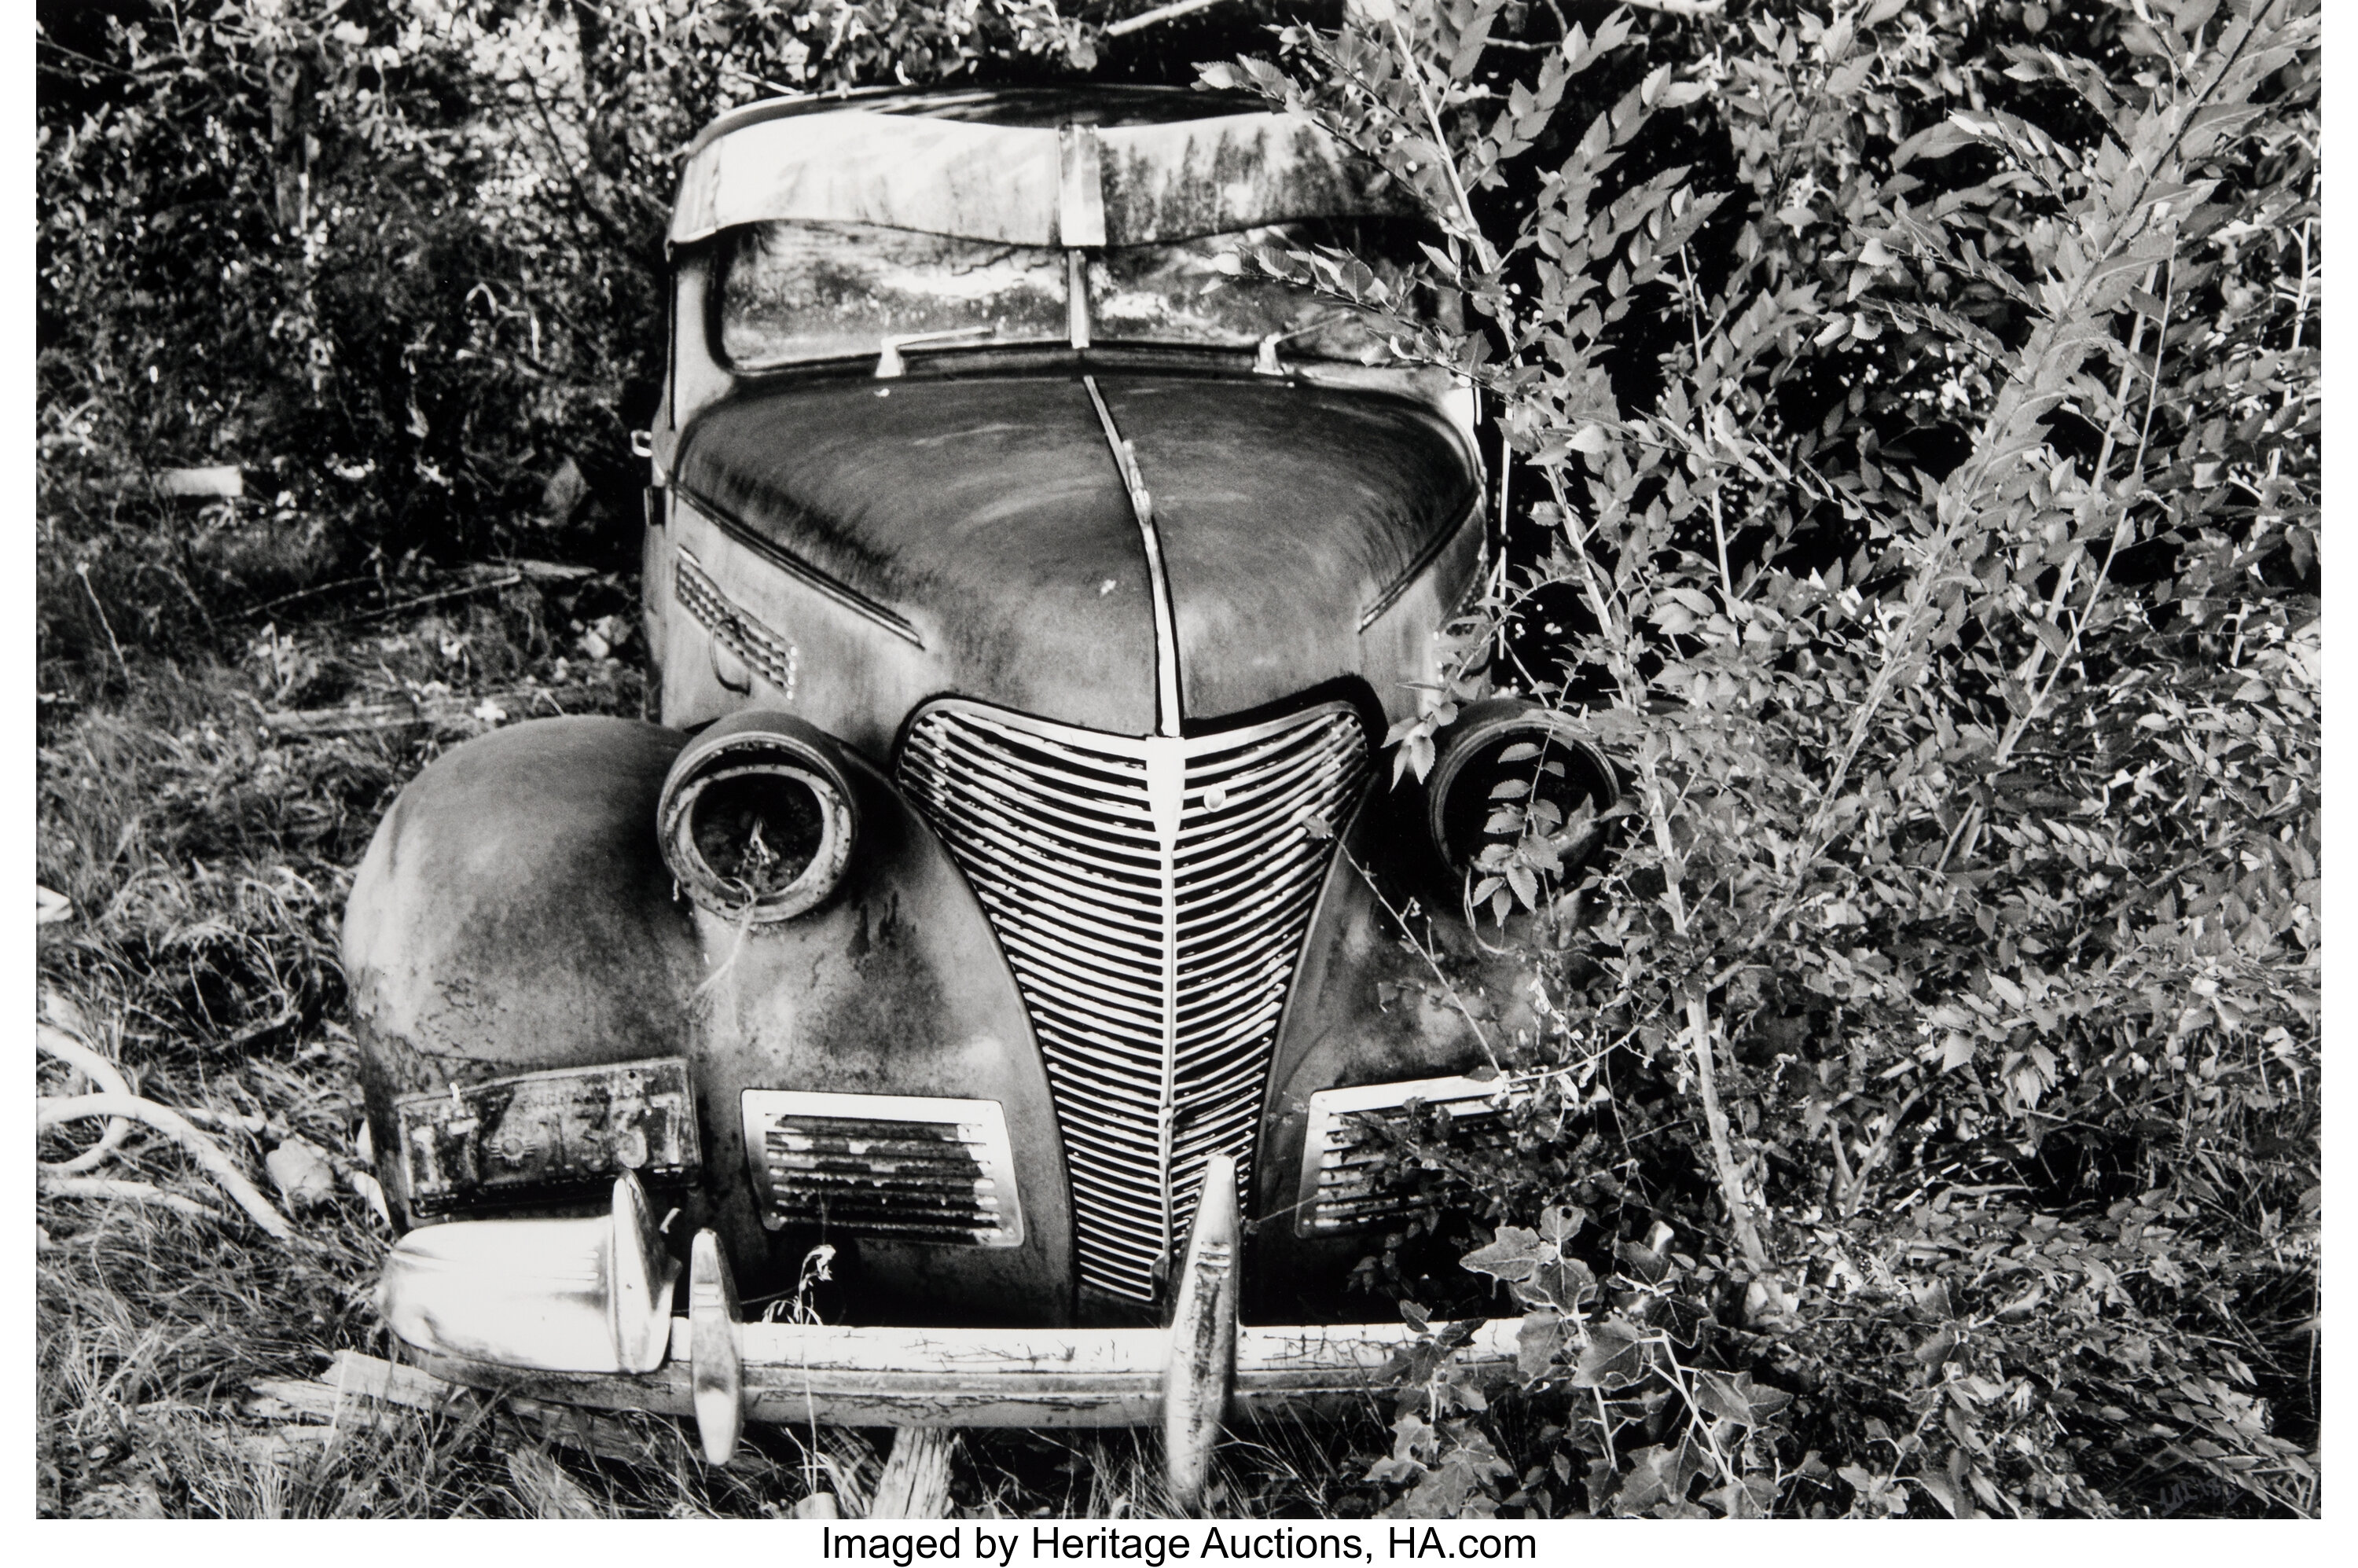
point(916, 1479)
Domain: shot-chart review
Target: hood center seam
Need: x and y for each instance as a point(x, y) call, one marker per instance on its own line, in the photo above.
point(1158, 582)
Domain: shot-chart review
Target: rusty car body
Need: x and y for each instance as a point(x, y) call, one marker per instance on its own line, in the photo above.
point(998, 895)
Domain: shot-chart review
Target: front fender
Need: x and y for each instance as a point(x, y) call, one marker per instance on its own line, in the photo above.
point(1367, 1009)
point(515, 914)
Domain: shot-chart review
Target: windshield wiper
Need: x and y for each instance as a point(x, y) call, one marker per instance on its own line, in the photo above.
point(1265, 351)
point(888, 363)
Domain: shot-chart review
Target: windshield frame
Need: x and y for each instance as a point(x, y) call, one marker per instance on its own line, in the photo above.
point(1084, 332)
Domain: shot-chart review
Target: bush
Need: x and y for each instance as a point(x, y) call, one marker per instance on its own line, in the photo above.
point(1910, 426)
point(401, 262)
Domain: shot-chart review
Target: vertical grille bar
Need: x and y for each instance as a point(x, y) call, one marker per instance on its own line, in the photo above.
point(1150, 895)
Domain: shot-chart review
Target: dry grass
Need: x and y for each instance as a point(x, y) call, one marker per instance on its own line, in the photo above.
point(206, 861)
point(206, 855)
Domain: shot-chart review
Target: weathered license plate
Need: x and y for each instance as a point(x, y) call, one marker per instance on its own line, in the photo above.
point(546, 1136)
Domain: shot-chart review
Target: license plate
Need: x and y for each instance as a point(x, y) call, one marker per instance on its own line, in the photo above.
point(540, 1137)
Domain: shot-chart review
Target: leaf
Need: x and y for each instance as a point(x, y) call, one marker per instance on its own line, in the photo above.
point(1935, 1348)
point(1935, 141)
point(1544, 1334)
point(1737, 1398)
point(1657, 1480)
point(1562, 1283)
point(1647, 1482)
point(51, 906)
point(1751, 1498)
point(1944, 1492)
point(1513, 1255)
point(1614, 1357)
point(1641, 1262)
point(302, 1172)
point(1559, 1223)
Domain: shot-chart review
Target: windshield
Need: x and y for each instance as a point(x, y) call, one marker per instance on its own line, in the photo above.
point(793, 292)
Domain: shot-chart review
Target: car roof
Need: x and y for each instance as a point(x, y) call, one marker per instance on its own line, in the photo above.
point(1087, 165)
point(1088, 103)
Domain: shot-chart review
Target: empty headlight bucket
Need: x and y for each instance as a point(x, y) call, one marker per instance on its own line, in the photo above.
point(1514, 739)
point(756, 818)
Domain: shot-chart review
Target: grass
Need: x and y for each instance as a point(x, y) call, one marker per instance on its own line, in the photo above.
point(205, 861)
point(204, 841)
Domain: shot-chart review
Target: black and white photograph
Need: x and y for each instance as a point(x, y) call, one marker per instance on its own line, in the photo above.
point(1159, 781)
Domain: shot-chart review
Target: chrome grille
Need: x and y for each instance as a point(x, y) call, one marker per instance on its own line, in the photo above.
point(1150, 895)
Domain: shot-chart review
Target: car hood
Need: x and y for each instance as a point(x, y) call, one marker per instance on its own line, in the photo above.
point(988, 512)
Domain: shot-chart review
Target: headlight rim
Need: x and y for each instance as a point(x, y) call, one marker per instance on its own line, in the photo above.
point(1476, 728)
point(752, 751)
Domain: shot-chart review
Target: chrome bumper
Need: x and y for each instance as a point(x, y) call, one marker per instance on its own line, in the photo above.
point(578, 1311)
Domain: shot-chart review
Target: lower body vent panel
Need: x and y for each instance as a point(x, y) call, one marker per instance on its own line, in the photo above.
point(1351, 1134)
point(898, 1167)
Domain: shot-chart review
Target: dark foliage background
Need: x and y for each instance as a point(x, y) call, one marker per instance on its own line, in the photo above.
point(1913, 420)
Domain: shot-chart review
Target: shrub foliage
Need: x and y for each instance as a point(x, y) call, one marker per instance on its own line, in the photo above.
point(1911, 416)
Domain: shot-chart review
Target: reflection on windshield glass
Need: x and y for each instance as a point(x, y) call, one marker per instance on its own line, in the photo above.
point(1212, 291)
point(815, 291)
point(793, 292)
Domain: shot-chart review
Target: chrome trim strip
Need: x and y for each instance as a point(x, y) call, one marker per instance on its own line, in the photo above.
point(794, 566)
point(1141, 505)
point(1080, 190)
point(1375, 608)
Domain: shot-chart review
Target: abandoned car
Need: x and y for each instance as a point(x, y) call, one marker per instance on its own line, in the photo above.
point(998, 899)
